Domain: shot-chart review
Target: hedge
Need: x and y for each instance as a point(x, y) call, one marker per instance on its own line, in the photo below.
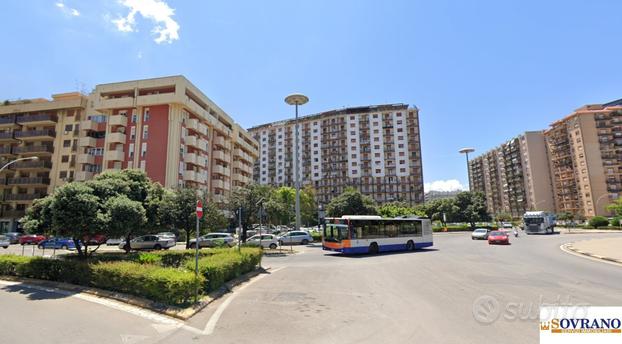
point(226, 265)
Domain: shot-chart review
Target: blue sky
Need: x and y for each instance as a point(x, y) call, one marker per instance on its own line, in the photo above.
point(481, 72)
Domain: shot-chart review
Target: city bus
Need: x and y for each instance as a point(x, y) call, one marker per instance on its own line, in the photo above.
point(373, 234)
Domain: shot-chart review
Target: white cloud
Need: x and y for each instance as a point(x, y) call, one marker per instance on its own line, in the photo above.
point(67, 10)
point(166, 29)
point(444, 185)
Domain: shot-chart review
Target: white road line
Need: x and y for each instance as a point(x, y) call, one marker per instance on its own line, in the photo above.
point(211, 324)
point(574, 253)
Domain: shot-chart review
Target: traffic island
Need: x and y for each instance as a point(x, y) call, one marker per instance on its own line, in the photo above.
point(605, 249)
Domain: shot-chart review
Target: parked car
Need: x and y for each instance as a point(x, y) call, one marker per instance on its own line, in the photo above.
point(149, 242)
point(96, 239)
point(295, 237)
point(13, 237)
point(4, 241)
point(31, 239)
point(498, 237)
point(266, 240)
point(57, 243)
point(480, 234)
point(114, 241)
point(168, 235)
point(212, 240)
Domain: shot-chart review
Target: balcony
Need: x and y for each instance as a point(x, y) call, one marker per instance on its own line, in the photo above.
point(191, 141)
point(36, 150)
point(191, 158)
point(118, 120)
point(218, 184)
point(114, 103)
point(156, 99)
point(22, 197)
point(192, 124)
point(116, 138)
point(221, 155)
point(7, 136)
point(6, 151)
point(115, 155)
point(7, 122)
point(37, 165)
point(40, 119)
point(220, 141)
point(25, 181)
point(220, 170)
point(202, 144)
point(13, 213)
point(190, 176)
point(87, 142)
point(84, 175)
point(35, 135)
point(85, 159)
point(88, 125)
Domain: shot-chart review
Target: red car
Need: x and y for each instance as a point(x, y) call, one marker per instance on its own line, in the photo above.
point(31, 239)
point(95, 239)
point(498, 237)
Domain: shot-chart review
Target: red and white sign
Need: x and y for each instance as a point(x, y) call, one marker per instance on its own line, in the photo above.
point(199, 209)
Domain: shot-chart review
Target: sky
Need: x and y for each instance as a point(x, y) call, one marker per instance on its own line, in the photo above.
point(480, 72)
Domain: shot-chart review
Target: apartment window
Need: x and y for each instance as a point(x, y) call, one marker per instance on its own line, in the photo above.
point(399, 130)
point(62, 174)
point(402, 170)
point(354, 171)
point(65, 158)
point(378, 170)
point(402, 154)
point(68, 127)
point(402, 162)
point(134, 118)
point(353, 156)
point(146, 115)
point(377, 155)
point(143, 149)
point(375, 116)
point(352, 125)
point(133, 133)
point(67, 143)
point(376, 139)
point(131, 150)
point(353, 148)
point(354, 163)
point(399, 121)
point(400, 137)
point(145, 132)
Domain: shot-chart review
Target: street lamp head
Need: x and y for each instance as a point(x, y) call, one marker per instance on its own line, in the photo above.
point(33, 158)
point(296, 99)
point(466, 150)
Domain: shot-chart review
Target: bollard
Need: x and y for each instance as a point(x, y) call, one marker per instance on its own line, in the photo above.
point(23, 250)
point(33, 250)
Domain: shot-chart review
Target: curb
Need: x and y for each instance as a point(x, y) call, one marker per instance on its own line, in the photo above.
point(171, 311)
point(569, 248)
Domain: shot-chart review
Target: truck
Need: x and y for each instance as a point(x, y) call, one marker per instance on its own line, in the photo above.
point(539, 222)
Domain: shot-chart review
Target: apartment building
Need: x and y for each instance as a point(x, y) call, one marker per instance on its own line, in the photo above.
point(375, 149)
point(514, 177)
point(585, 161)
point(164, 126)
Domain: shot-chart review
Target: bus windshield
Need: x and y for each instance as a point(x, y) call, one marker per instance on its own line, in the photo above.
point(533, 220)
point(335, 232)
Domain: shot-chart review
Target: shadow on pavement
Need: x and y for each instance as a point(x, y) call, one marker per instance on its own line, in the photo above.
point(366, 255)
point(35, 293)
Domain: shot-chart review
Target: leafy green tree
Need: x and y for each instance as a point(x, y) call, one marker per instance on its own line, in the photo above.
point(248, 198)
point(616, 207)
point(123, 217)
point(472, 207)
point(76, 213)
point(503, 217)
point(395, 209)
point(213, 217)
point(38, 218)
point(178, 211)
point(351, 202)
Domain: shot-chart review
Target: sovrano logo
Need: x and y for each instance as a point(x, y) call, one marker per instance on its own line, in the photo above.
point(584, 325)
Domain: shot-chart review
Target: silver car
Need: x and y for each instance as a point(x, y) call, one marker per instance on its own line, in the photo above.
point(4, 241)
point(295, 237)
point(213, 240)
point(480, 234)
point(265, 240)
point(149, 242)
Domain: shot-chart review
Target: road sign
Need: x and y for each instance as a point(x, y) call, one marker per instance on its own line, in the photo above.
point(199, 209)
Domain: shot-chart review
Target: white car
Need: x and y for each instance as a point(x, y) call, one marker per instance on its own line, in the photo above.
point(266, 240)
point(295, 237)
point(149, 242)
point(212, 240)
point(4, 241)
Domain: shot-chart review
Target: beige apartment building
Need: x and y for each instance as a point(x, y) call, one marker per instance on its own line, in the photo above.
point(375, 149)
point(164, 126)
point(514, 177)
point(585, 161)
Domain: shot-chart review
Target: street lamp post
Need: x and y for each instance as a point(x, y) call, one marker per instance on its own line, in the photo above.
point(466, 152)
point(320, 210)
point(297, 99)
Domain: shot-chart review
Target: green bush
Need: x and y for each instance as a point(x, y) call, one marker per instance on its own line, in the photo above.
point(149, 258)
point(615, 222)
point(9, 264)
point(59, 270)
point(598, 221)
point(166, 285)
point(225, 265)
point(316, 236)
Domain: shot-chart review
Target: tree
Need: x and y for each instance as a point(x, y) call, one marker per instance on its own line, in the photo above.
point(76, 213)
point(472, 207)
point(598, 221)
point(351, 202)
point(38, 218)
point(178, 211)
point(616, 207)
point(395, 209)
point(247, 198)
point(503, 217)
point(213, 217)
point(123, 215)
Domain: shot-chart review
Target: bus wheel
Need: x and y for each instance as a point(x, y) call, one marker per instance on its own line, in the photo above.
point(410, 245)
point(373, 248)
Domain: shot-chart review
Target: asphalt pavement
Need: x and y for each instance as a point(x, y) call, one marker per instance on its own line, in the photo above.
point(459, 291)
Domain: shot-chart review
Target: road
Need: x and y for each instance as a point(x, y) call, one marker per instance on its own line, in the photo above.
point(461, 291)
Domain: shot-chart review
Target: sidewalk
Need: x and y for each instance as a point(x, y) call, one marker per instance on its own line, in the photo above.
point(585, 231)
point(609, 249)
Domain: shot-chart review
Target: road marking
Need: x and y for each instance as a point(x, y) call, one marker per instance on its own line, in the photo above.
point(211, 324)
